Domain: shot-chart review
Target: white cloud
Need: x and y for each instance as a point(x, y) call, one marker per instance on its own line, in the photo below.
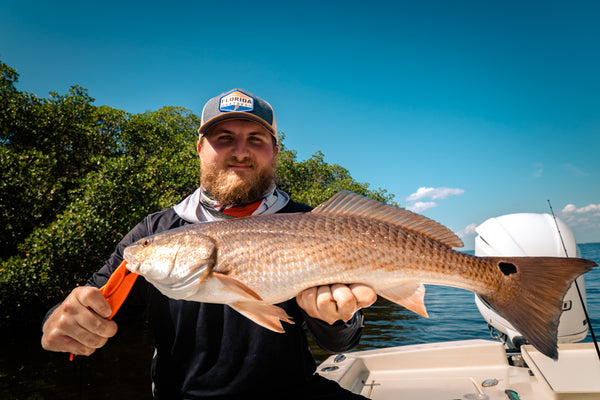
point(434, 193)
point(421, 206)
point(417, 205)
point(538, 170)
point(585, 221)
point(467, 231)
point(467, 235)
point(570, 209)
point(574, 170)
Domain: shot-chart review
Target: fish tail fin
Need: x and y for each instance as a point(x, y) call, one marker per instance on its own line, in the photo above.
point(531, 295)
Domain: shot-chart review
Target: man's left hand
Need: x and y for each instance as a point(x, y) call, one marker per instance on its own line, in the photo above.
point(331, 303)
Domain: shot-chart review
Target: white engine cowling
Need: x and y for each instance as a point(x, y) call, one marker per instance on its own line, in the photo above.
point(528, 234)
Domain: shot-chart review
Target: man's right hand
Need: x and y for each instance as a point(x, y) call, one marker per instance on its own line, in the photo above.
point(79, 324)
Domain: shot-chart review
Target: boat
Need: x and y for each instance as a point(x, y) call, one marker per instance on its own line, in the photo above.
point(503, 367)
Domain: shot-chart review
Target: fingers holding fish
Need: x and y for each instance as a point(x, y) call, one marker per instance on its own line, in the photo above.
point(344, 301)
point(307, 300)
point(335, 302)
point(327, 307)
point(365, 295)
point(351, 298)
point(79, 325)
point(318, 302)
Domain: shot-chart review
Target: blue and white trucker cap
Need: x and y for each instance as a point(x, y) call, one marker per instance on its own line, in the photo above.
point(238, 104)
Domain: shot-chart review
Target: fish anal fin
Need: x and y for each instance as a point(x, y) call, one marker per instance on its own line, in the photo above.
point(409, 295)
point(349, 203)
point(233, 285)
point(266, 315)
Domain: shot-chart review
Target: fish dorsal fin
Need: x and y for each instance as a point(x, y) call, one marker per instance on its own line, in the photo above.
point(349, 203)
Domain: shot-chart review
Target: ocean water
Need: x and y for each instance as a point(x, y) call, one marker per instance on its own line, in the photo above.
point(453, 315)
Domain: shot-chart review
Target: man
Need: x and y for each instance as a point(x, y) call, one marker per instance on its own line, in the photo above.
point(209, 350)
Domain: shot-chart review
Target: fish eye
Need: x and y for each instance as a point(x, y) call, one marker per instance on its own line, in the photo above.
point(146, 242)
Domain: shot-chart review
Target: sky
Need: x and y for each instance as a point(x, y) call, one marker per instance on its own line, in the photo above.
point(463, 110)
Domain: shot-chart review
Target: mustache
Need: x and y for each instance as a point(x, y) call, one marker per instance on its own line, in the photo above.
point(234, 161)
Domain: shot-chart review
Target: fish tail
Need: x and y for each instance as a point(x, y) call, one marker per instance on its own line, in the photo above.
point(531, 293)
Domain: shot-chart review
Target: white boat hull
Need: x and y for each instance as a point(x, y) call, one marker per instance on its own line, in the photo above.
point(470, 369)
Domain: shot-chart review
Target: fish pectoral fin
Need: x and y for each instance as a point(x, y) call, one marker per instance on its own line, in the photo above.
point(266, 315)
point(409, 295)
point(233, 285)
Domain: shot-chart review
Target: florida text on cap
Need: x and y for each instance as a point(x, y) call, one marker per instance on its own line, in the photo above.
point(238, 104)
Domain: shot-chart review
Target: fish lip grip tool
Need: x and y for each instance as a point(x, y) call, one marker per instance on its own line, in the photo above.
point(116, 289)
point(118, 286)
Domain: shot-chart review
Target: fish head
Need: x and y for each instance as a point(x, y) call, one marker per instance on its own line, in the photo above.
point(172, 257)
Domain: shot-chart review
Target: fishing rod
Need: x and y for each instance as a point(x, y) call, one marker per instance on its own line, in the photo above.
point(587, 317)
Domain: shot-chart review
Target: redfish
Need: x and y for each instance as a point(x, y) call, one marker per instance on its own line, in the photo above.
point(253, 263)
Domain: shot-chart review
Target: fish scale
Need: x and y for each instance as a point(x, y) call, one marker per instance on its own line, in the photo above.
point(253, 263)
point(324, 257)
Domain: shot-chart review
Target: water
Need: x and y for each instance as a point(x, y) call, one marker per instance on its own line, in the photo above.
point(121, 369)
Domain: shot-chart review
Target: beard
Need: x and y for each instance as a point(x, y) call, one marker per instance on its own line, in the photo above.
point(229, 187)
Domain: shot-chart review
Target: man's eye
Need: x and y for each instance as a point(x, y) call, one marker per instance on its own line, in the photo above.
point(224, 138)
point(259, 139)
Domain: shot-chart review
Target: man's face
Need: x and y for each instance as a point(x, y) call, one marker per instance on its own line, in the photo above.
point(237, 161)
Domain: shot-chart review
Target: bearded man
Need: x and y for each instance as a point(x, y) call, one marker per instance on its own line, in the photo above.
point(209, 350)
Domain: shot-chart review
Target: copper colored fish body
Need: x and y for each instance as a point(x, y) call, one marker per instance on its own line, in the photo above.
point(256, 262)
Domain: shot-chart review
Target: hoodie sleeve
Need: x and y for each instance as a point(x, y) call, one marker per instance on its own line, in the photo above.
point(337, 338)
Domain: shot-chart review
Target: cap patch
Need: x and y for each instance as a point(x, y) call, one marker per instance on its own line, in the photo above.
point(236, 101)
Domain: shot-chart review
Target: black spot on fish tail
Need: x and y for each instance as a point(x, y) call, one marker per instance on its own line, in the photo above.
point(507, 268)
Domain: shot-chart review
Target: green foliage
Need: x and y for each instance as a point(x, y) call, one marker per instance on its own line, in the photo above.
point(28, 190)
point(48, 147)
point(75, 178)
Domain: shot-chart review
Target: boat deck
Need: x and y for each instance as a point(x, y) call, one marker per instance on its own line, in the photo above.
point(471, 369)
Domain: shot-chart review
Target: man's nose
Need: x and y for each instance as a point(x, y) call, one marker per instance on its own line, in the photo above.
point(240, 149)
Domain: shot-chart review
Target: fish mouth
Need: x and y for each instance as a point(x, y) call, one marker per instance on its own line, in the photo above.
point(133, 264)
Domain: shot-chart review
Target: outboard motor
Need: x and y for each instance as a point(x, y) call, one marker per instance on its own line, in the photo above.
point(528, 234)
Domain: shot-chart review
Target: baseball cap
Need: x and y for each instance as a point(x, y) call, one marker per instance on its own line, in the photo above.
point(238, 104)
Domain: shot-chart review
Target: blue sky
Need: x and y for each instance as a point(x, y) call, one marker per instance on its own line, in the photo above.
point(464, 110)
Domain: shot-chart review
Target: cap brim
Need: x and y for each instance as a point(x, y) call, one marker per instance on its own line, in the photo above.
point(235, 115)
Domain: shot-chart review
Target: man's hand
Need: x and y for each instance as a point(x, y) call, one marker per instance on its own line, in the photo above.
point(79, 324)
point(334, 302)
